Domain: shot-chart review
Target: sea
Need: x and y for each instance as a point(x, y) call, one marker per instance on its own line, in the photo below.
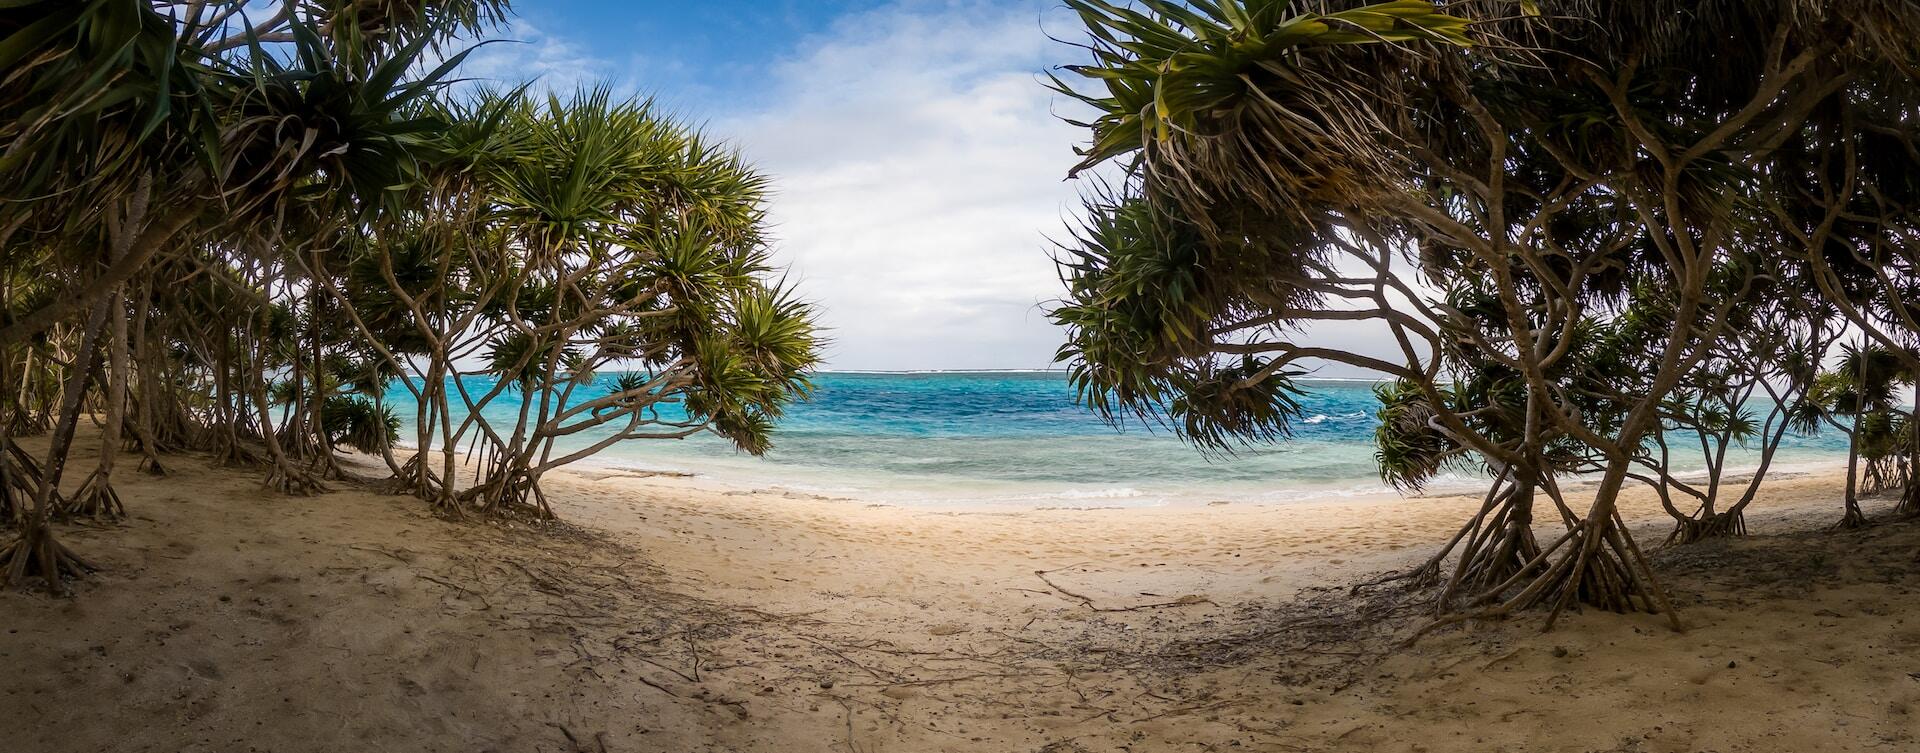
point(1018, 439)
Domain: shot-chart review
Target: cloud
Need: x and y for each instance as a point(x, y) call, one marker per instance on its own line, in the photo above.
point(918, 167)
point(527, 52)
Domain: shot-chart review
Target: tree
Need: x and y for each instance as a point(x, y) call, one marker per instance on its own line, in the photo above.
point(1506, 199)
point(122, 121)
point(248, 222)
point(585, 235)
point(1861, 389)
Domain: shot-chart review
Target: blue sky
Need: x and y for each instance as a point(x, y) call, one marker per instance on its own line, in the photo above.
point(917, 160)
point(695, 50)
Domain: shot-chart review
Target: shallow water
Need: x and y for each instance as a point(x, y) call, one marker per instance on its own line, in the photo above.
point(1018, 438)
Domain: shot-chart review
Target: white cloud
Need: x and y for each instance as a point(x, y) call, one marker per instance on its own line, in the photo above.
point(526, 52)
point(919, 170)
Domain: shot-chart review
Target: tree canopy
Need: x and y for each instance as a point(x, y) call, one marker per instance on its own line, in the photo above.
point(1589, 231)
point(239, 227)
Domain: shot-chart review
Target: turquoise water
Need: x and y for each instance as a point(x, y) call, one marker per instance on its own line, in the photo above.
point(1018, 438)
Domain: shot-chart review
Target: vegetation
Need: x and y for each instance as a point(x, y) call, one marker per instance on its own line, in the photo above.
point(233, 227)
point(1596, 234)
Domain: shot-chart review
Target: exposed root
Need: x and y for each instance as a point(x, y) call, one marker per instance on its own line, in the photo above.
point(96, 499)
point(1503, 553)
point(1717, 526)
point(1597, 565)
point(415, 478)
point(511, 495)
point(20, 480)
point(1854, 519)
point(293, 481)
point(231, 453)
point(1422, 576)
point(1909, 502)
point(36, 554)
point(1087, 601)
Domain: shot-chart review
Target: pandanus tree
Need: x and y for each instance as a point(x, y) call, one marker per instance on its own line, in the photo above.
point(137, 132)
point(604, 271)
point(1488, 192)
point(1735, 407)
point(637, 246)
point(1846, 201)
point(235, 226)
point(1749, 397)
point(1858, 398)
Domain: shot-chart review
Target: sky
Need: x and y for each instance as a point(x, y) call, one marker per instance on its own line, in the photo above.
point(917, 157)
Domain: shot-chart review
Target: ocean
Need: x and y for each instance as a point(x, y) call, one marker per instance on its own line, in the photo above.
point(1018, 439)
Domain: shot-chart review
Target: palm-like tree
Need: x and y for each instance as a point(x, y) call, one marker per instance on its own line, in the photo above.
point(123, 121)
point(264, 215)
point(1588, 206)
point(1858, 398)
point(574, 236)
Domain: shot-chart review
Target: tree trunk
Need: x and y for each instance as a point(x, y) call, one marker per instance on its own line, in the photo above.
point(1910, 496)
point(282, 474)
point(147, 394)
point(1595, 563)
point(36, 552)
point(96, 497)
point(1853, 517)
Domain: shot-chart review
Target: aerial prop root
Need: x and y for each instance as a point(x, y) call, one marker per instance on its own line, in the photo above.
point(149, 455)
point(1495, 545)
point(1730, 524)
point(417, 479)
point(1909, 501)
point(230, 452)
point(1595, 563)
point(96, 498)
point(509, 495)
point(1498, 551)
point(293, 481)
point(20, 479)
point(36, 553)
point(1854, 519)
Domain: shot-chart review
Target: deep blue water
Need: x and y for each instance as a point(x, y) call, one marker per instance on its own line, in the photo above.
point(1018, 437)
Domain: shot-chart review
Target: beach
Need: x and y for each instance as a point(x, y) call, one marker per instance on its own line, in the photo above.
point(677, 614)
point(1157, 376)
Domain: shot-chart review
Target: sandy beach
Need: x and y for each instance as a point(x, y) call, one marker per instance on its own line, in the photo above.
point(914, 376)
point(669, 614)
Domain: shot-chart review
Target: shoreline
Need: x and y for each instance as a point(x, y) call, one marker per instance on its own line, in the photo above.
point(1037, 496)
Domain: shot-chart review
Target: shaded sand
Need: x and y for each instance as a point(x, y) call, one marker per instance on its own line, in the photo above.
point(673, 616)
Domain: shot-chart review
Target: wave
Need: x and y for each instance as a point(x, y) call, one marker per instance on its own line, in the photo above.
point(887, 372)
point(1018, 437)
point(1311, 494)
point(936, 460)
point(1321, 418)
point(1124, 492)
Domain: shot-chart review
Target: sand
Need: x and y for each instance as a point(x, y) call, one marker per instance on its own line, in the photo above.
point(674, 614)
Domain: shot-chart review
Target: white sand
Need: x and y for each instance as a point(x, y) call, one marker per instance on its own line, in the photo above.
point(683, 617)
